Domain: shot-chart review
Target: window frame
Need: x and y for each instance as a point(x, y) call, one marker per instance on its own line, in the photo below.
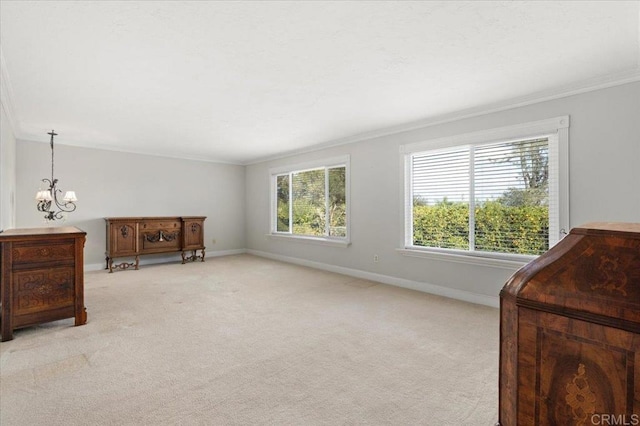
point(326, 164)
point(556, 129)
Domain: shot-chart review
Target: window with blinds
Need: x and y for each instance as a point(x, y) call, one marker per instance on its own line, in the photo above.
point(311, 202)
point(496, 197)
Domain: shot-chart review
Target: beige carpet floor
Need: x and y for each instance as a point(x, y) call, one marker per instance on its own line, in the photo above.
point(242, 340)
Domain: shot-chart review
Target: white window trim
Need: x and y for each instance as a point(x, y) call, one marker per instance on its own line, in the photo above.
point(310, 239)
point(310, 165)
point(557, 128)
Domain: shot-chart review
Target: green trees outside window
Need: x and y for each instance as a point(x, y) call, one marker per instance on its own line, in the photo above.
point(312, 202)
point(508, 184)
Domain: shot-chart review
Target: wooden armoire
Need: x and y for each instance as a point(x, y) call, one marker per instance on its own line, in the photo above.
point(570, 332)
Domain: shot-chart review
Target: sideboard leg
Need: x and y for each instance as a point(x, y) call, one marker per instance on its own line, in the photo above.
point(183, 257)
point(202, 259)
point(111, 265)
point(137, 262)
point(107, 263)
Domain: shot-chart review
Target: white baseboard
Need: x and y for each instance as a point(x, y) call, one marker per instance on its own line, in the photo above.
point(467, 296)
point(145, 260)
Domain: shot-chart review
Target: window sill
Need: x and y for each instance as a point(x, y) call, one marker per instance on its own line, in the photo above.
point(332, 242)
point(469, 259)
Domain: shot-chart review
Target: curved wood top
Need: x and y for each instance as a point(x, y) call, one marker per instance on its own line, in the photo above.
point(593, 272)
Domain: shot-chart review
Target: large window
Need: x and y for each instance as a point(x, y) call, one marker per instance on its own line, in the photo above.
point(311, 200)
point(494, 194)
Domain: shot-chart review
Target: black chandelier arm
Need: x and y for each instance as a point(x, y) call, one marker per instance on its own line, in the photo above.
point(44, 206)
point(57, 215)
point(64, 206)
point(51, 182)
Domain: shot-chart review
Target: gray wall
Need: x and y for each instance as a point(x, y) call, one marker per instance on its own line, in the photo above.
point(111, 183)
point(604, 144)
point(7, 172)
point(604, 178)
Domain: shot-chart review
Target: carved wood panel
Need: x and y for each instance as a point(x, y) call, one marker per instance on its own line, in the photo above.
point(38, 290)
point(123, 238)
point(161, 239)
point(30, 253)
point(194, 234)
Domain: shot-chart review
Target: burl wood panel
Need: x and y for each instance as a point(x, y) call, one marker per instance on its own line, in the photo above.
point(570, 332)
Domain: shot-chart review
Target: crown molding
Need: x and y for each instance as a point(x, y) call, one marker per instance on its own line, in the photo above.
point(6, 96)
point(173, 156)
point(590, 85)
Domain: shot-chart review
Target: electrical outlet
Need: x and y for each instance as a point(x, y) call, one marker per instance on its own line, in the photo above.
point(375, 258)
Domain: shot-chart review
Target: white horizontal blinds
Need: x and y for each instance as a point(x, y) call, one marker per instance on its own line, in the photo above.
point(308, 202)
point(511, 182)
point(554, 189)
point(283, 211)
point(486, 197)
point(440, 194)
point(337, 201)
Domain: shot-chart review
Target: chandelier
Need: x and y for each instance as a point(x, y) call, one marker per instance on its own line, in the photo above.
point(48, 199)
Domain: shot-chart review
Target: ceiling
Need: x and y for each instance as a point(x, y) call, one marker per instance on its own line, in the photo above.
point(242, 81)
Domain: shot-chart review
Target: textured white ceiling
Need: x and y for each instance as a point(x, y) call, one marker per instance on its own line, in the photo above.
point(240, 81)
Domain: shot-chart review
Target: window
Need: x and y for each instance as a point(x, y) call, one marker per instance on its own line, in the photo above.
point(496, 194)
point(311, 200)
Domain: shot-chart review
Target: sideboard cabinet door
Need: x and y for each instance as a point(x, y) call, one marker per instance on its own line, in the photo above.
point(122, 239)
point(193, 234)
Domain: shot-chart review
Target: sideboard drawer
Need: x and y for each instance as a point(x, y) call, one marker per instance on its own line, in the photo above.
point(30, 252)
point(166, 225)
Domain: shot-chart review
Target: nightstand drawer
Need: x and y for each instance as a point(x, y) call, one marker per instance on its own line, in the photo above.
point(33, 252)
point(43, 289)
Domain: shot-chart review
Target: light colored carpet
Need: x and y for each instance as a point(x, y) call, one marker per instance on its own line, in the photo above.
point(242, 340)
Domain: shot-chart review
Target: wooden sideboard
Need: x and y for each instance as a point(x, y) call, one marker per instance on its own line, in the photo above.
point(136, 236)
point(570, 332)
point(42, 277)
